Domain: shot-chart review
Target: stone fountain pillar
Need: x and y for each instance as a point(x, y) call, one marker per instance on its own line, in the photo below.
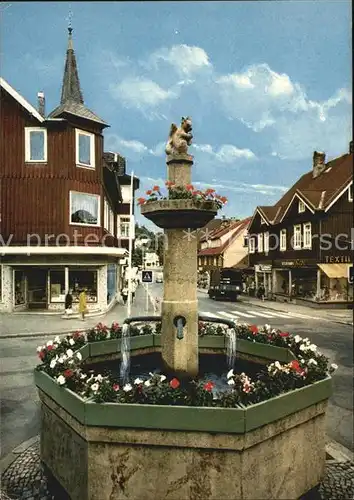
point(180, 284)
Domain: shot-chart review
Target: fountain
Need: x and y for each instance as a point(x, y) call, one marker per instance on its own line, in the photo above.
point(98, 449)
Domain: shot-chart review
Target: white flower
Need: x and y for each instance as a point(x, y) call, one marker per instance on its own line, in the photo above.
point(334, 366)
point(53, 363)
point(297, 338)
point(303, 347)
point(61, 380)
point(302, 360)
point(138, 381)
point(49, 343)
point(90, 378)
point(230, 373)
point(312, 361)
point(39, 348)
point(70, 362)
point(231, 381)
point(267, 327)
point(277, 365)
point(313, 347)
point(162, 378)
point(79, 356)
point(83, 376)
point(95, 387)
point(147, 383)
point(61, 359)
point(71, 341)
point(57, 340)
point(127, 388)
point(152, 374)
point(69, 353)
point(99, 378)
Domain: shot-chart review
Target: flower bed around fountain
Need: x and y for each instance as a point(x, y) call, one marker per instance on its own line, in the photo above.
point(109, 433)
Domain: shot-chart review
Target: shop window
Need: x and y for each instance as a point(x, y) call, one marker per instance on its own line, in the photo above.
point(111, 282)
point(283, 240)
point(35, 145)
point(266, 242)
point(80, 279)
point(301, 207)
point(57, 285)
point(85, 149)
point(260, 242)
point(297, 237)
point(123, 227)
point(307, 235)
point(19, 288)
point(84, 209)
point(252, 246)
point(350, 192)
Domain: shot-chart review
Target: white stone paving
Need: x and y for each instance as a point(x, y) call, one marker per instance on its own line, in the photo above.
point(249, 313)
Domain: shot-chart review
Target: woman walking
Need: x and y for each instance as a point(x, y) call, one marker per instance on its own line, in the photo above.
point(83, 304)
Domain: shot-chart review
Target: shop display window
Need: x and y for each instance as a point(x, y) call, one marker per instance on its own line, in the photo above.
point(57, 285)
point(20, 288)
point(83, 278)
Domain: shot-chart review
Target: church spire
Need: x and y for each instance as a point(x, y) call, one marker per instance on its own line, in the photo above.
point(71, 90)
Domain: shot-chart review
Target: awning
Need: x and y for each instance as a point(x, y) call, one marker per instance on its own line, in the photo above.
point(335, 270)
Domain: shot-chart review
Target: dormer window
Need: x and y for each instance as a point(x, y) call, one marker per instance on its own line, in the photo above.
point(35, 145)
point(85, 149)
point(302, 207)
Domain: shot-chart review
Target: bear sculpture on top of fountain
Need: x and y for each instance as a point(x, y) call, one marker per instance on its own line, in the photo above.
point(180, 138)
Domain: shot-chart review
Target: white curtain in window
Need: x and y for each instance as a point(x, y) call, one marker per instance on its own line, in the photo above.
point(84, 202)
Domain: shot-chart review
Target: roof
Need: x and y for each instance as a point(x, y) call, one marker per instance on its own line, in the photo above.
point(238, 225)
point(204, 233)
point(72, 101)
point(318, 192)
point(21, 100)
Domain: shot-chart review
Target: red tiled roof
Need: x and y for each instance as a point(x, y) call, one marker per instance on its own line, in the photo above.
point(240, 225)
point(318, 191)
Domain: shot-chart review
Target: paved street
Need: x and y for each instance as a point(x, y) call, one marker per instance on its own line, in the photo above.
point(19, 411)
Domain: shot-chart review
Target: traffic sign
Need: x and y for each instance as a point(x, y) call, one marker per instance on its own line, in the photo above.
point(146, 277)
point(351, 275)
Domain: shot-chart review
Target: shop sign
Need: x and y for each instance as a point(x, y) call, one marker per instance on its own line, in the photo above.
point(293, 263)
point(263, 268)
point(338, 259)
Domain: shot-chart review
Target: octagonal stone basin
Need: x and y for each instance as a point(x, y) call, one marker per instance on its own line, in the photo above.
point(270, 450)
point(178, 214)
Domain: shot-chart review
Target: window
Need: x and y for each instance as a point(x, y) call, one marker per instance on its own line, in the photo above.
point(84, 209)
point(350, 192)
point(105, 214)
point(57, 285)
point(251, 245)
point(123, 227)
point(266, 242)
point(126, 193)
point(245, 241)
point(263, 221)
point(302, 207)
point(283, 240)
point(19, 288)
point(85, 149)
point(80, 279)
point(260, 242)
point(111, 221)
point(35, 145)
point(307, 235)
point(297, 237)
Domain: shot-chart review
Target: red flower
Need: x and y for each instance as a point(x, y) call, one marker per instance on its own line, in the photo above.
point(223, 199)
point(208, 386)
point(195, 193)
point(174, 383)
point(41, 355)
point(77, 335)
point(141, 201)
point(190, 187)
point(50, 347)
point(296, 366)
point(68, 373)
point(115, 387)
point(253, 329)
point(149, 192)
point(169, 184)
point(247, 388)
point(210, 191)
point(284, 334)
point(156, 188)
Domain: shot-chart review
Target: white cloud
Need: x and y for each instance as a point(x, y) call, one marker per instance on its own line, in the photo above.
point(227, 153)
point(141, 92)
point(185, 59)
point(240, 187)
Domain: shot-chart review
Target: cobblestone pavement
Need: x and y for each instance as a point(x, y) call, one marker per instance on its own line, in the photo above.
point(24, 479)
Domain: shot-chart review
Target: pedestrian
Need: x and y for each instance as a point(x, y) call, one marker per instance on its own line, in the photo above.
point(124, 294)
point(83, 304)
point(68, 302)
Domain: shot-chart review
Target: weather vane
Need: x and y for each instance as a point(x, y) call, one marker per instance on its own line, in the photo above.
point(69, 18)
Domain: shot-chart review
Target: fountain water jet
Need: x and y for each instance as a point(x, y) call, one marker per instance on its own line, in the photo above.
point(125, 353)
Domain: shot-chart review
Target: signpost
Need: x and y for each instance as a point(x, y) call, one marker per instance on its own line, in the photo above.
point(351, 275)
point(146, 277)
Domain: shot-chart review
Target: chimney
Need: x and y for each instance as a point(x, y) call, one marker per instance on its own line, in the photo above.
point(41, 103)
point(319, 164)
point(351, 149)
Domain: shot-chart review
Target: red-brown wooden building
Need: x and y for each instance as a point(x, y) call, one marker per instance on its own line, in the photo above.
point(301, 248)
point(64, 203)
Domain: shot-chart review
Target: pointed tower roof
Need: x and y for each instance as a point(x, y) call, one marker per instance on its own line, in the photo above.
point(72, 101)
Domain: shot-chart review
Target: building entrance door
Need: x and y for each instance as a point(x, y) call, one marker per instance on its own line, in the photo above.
point(37, 282)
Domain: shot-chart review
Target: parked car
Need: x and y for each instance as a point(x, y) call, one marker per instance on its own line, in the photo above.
point(225, 283)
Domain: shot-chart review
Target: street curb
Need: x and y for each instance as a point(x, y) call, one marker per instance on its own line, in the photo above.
point(41, 334)
point(13, 455)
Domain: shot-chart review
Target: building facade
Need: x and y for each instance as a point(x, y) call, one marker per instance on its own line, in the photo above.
point(64, 206)
point(301, 248)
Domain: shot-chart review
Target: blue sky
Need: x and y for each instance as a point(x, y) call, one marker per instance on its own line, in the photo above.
point(266, 83)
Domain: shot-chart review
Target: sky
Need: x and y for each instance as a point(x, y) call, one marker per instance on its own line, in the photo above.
point(266, 83)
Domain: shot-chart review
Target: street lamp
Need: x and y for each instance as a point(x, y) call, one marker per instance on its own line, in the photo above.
point(130, 248)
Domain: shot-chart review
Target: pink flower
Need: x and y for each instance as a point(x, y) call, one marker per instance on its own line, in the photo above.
point(68, 373)
point(174, 383)
point(208, 386)
point(115, 387)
